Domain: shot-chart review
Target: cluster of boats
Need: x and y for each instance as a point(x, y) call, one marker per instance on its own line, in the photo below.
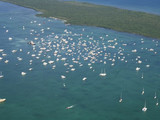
point(73, 49)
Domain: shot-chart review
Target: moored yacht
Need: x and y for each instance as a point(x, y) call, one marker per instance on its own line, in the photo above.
point(103, 74)
point(1, 76)
point(2, 100)
point(144, 109)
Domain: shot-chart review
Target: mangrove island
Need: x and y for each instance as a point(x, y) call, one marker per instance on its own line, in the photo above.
point(78, 13)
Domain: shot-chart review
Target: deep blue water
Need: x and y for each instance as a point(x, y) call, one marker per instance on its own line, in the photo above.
point(43, 95)
point(151, 6)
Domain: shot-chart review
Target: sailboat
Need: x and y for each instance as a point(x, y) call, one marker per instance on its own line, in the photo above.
point(1, 76)
point(120, 100)
point(142, 76)
point(157, 103)
point(103, 73)
point(144, 109)
point(142, 92)
point(155, 96)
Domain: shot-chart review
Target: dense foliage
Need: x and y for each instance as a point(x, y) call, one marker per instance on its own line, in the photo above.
point(97, 15)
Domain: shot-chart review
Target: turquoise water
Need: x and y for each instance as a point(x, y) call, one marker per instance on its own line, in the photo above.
point(150, 6)
point(43, 95)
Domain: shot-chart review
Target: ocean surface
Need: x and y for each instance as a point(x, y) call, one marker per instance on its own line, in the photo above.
point(60, 77)
point(150, 6)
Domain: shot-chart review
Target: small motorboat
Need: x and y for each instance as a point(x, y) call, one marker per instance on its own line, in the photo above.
point(31, 43)
point(2, 100)
point(69, 107)
point(23, 73)
point(1, 76)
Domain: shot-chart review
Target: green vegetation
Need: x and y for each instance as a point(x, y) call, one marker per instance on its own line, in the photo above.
point(96, 15)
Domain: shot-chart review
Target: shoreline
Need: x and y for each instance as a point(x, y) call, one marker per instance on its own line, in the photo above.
point(65, 21)
point(123, 21)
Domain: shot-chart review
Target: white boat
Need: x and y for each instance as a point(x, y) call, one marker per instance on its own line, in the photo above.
point(6, 61)
point(157, 103)
point(23, 73)
point(45, 63)
point(139, 61)
point(69, 107)
point(147, 65)
point(134, 50)
point(63, 77)
point(64, 85)
point(120, 100)
point(51, 62)
point(73, 69)
point(1, 50)
point(4, 54)
point(30, 69)
point(1, 76)
point(137, 68)
point(1, 58)
point(10, 38)
point(144, 109)
point(2, 100)
point(142, 76)
point(14, 51)
point(84, 79)
point(31, 43)
point(155, 96)
point(103, 74)
point(20, 59)
point(142, 92)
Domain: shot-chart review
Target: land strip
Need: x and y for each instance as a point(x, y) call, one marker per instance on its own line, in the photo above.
point(77, 13)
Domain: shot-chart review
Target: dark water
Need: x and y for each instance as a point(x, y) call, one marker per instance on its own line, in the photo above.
point(150, 6)
point(43, 95)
